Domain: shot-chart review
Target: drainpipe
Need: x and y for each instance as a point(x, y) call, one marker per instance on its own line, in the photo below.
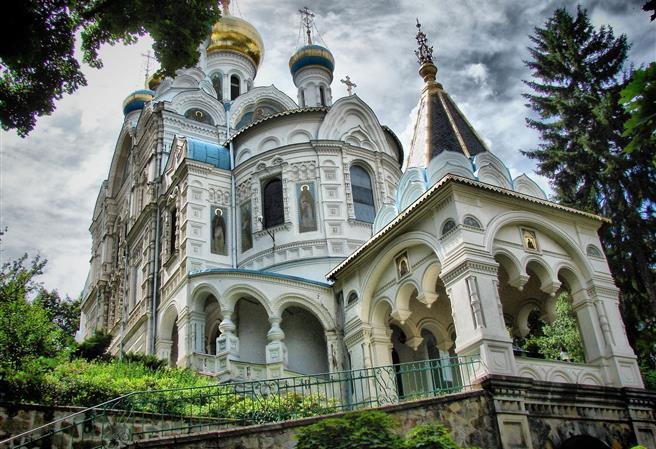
point(233, 189)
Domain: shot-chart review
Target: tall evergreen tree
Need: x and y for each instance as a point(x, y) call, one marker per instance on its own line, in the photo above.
point(578, 77)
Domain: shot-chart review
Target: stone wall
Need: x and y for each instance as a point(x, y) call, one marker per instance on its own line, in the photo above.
point(469, 416)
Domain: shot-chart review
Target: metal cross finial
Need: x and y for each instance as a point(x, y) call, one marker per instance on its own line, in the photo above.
point(225, 7)
point(424, 52)
point(349, 84)
point(307, 19)
point(148, 58)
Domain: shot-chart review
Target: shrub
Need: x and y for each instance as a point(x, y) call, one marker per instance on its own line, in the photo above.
point(94, 347)
point(429, 436)
point(361, 430)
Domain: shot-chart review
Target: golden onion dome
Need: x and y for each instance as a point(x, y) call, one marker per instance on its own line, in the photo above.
point(154, 81)
point(234, 34)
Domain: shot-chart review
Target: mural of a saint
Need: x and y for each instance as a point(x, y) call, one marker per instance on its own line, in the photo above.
point(307, 219)
point(218, 243)
point(246, 236)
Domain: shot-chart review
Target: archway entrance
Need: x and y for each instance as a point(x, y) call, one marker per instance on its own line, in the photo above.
point(583, 441)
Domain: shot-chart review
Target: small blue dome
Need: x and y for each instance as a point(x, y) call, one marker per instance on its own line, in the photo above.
point(209, 153)
point(136, 100)
point(311, 55)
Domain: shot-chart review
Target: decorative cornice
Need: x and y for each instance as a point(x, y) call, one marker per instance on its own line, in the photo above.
point(468, 266)
point(260, 275)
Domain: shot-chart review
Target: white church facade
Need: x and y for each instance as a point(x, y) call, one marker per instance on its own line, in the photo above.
point(251, 235)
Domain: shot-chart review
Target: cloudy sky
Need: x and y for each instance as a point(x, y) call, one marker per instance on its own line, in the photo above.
point(49, 181)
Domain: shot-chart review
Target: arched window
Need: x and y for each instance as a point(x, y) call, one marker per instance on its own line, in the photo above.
point(217, 83)
point(234, 87)
point(471, 222)
point(322, 94)
point(273, 204)
point(302, 98)
point(448, 226)
point(363, 196)
point(353, 297)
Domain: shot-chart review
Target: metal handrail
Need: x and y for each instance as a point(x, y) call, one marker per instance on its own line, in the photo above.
point(157, 413)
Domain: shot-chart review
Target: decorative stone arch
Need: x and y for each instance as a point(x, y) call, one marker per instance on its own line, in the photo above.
point(167, 321)
point(384, 216)
point(380, 312)
point(401, 310)
point(548, 228)
point(492, 170)
point(549, 282)
point(289, 300)
point(236, 292)
point(243, 155)
point(299, 136)
point(527, 371)
point(589, 379)
point(201, 100)
point(528, 306)
point(448, 162)
point(353, 106)
point(268, 143)
point(430, 276)
point(517, 276)
point(573, 278)
point(264, 94)
point(358, 137)
point(438, 330)
point(386, 256)
point(524, 184)
point(201, 291)
point(119, 160)
point(559, 375)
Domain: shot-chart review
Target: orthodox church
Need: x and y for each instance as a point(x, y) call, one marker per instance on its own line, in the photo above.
point(251, 235)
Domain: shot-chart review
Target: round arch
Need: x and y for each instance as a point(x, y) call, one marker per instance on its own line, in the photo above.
point(283, 302)
point(198, 295)
point(166, 323)
point(236, 292)
point(548, 228)
point(386, 256)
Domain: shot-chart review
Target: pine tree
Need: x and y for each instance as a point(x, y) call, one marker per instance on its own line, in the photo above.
point(578, 77)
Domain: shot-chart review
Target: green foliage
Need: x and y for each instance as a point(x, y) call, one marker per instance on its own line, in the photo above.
point(371, 430)
point(94, 347)
point(148, 360)
point(639, 99)
point(362, 430)
point(577, 79)
point(429, 436)
point(27, 330)
point(37, 61)
point(561, 335)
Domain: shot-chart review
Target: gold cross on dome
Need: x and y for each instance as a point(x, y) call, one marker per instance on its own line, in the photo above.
point(349, 84)
point(148, 59)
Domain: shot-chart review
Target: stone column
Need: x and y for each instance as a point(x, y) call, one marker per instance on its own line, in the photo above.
point(227, 344)
point(619, 360)
point(276, 350)
point(334, 348)
point(477, 315)
point(185, 338)
point(163, 348)
point(197, 329)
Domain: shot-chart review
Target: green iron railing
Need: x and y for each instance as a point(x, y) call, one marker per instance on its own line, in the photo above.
point(160, 413)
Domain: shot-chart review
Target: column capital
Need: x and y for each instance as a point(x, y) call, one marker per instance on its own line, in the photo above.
point(469, 266)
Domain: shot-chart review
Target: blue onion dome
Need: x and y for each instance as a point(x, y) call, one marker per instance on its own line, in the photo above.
point(311, 55)
point(136, 100)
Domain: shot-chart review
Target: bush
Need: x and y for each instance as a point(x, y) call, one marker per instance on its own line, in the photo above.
point(148, 360)
point(94, 347)
point(429, 436)
point(361, 430)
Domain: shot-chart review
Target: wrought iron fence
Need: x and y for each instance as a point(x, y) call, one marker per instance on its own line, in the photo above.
point(159, 413)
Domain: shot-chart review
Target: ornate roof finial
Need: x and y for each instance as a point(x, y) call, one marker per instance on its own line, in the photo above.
point(425, 52)
point(307, 20)
point(225, 7)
